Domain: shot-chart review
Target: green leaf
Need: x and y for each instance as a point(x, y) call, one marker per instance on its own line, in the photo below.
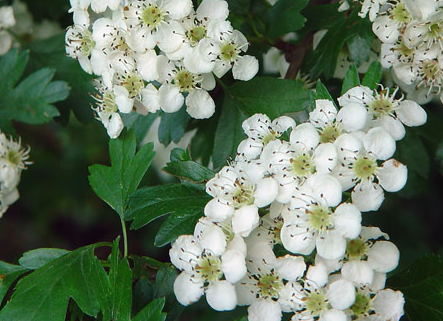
point(351, 80)
point(31, 100)
point(359, 40)
point(422, 287)
point(51, 53)
point(140, 124)
point(321, 92)
point(285, 17)
point(323, 60)
point(271, 96)
point(150, 203)
point(114, 184)
point(412, 152)
point(188, 169)
point(172, 126)
point(40, 257)
point(229, 132)
point(152, 312)
point(44, 295)
point(373, 76)
point(8, 274)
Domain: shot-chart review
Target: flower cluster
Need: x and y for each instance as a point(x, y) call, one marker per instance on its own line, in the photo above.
point(156, 54)
point(7, 21)
point(283, 194)
point(411, 34)
point(13, 159)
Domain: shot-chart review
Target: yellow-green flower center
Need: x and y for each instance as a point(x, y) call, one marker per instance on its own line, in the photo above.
point(302, 165)
point(209, 268)
point(315, 303)
point(435, 30)
point(228, 52)
point(152, 16)
point(381, 106)
point(109, 104)
point(362, 305)
point(87, 43)
point(269, 285)
point(356, 249)
point(319, 218)
point(269, 138)
point(196, 34)
point(243, 195)
point(14, 157)
point(185, 80)
point(401, 14)
point(364, 168)
point(330, 133)
point(133, 84)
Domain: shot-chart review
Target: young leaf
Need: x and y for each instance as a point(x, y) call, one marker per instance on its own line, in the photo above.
point(321, 92)
point(172, 126)
point(150, 203)
point(373, 76)
point(44, 294)
point(188, 169)
point(152, 312)
point(422, 287)
point(31, 100)
point(114, 184)
point(285, 17)
point(351, 80)
point(8, 274)
point(271, 96)
point(35, 259)
point(229, 132)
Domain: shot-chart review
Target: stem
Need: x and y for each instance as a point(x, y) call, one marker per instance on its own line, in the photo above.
point(125, 238)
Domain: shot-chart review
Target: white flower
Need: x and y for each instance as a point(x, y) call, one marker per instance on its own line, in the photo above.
point(371, 6)
point(7, 19)
point(80, 45)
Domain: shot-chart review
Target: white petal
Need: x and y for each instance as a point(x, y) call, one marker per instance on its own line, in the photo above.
point(331, 246)
point(367, 196)
point(213, 9)
point(233, 265)
point(177, 9)
point(238, 244)
point(379, 142)
point(187, 290)
point(221, 68)
point(122, 100)
point(250, 148)
point(296, 240)
point(359, 94)
point(379, 282)
point(170, 36)
point(211, 238)
point(389, 304)
point(245, 68)
point(317, 274)
point(291, 267)
point(218, 210)
point(264, 310)
point(392, 175)
point(358, 272)
point(285, 192)
point(147, 65)
point(150, 98)
point(245, 219)
point(341, 294)
point(392, 125)
point(305, 135)
point(266, 192)
point(383, 256)
point(323, 113)
point(184, 251)
point(115, 125)
point(325, 157)
point(385, 28)
point(333, 315)
point(199, 104)
point(326, 187)
point(170, 98)
point(352, 117)
point(411, 114)
point(347, 220)
point(221, 296)
point(208, 82)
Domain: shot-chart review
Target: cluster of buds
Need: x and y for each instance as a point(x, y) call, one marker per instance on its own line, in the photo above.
point(283, 233)
point(156, 54)
point(7, 21)
point(411, 33)
point(13, 159)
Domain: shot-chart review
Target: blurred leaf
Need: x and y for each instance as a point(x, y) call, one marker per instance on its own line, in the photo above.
point(150, 203)
point(37, 258)
point(439, 155)
point(321, 16)
point(172, 126)
point(152, 312)
point(44, 295)
point(239, 7)
point(321, 92)
point(140, 124)
point(164, 282)
point(412, 153)
point(29, 101)
point(352, 79)
point(285, 17)
point(229, 132)
point(323, 60)
point(359, 40)
point(114, 184)
point(422, 287)
point(271, 96)
point(51, 53)
point(373, 76)
point(187, 169)
point(8, 274)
